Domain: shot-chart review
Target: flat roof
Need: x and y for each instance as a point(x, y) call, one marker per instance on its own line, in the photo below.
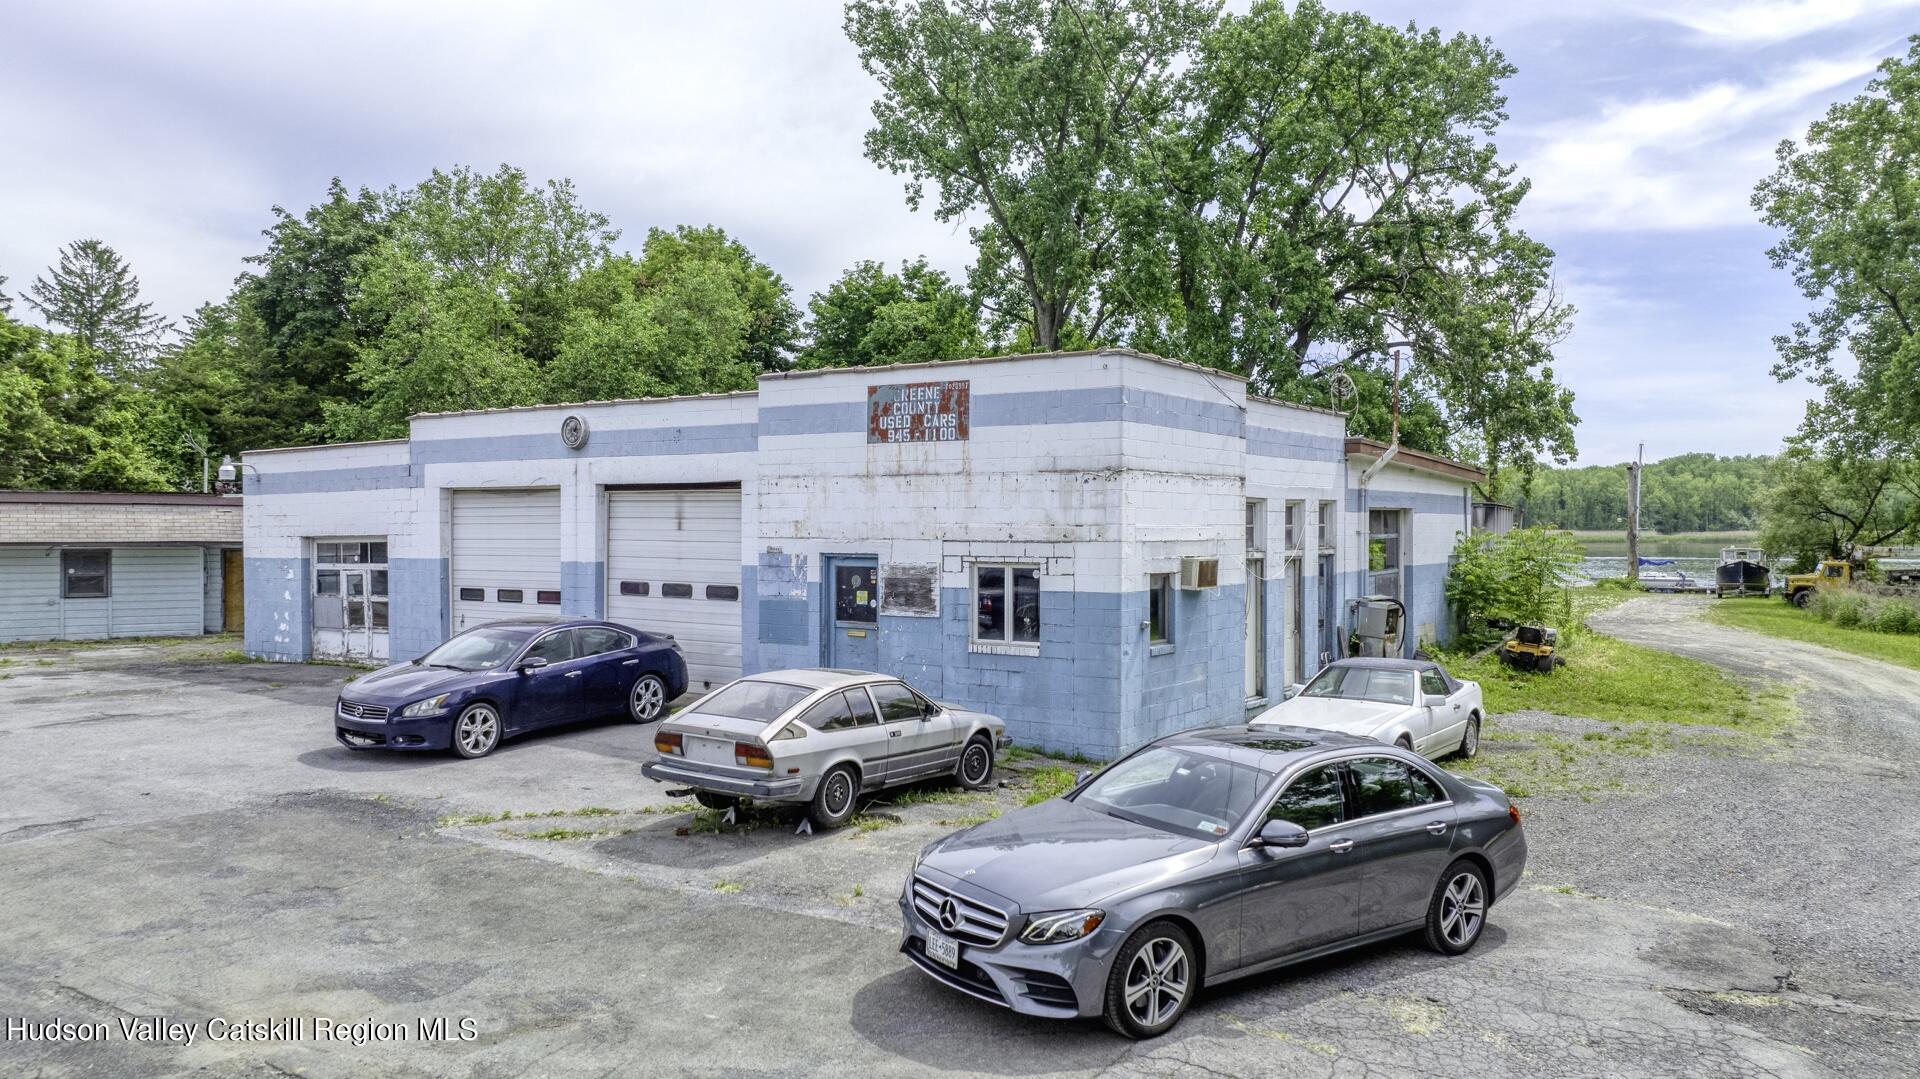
point(728, 395)
point(816, 372)
point(1417, 459)
point(328, 446)
point(122, 498)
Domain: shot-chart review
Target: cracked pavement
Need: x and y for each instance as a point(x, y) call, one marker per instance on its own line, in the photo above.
point(181, 837)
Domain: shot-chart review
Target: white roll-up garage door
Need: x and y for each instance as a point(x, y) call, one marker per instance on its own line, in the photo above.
point(673, 566)
point(506, 555)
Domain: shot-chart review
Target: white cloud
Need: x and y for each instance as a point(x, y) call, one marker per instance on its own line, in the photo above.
point(1685, 161)
point(1763, 22)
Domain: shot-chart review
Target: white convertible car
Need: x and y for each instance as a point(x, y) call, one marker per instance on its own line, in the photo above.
point(1412, 703)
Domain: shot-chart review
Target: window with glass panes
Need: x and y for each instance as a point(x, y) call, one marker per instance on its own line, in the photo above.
point(1327, 520)
point(1295, 525)
point(1006, 604)
point(1160, 608)
point(353, 571)
point(1384, 552)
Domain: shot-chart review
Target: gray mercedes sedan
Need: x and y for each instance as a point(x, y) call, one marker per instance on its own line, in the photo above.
point(1204, 857)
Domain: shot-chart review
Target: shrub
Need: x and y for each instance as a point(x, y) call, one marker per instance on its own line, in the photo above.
point(1849, 610)
point(1516, 577)
point(1896, 616)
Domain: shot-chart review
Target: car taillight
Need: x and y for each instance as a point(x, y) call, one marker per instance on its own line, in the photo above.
point(667, 742)
point(752, 755)
point(1514, 812)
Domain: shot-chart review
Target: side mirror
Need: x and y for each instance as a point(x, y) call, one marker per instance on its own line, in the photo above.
point(1082, 776)
point(1279, 833)
point(1433, 700)
point(1291, 692)
point(531, 663)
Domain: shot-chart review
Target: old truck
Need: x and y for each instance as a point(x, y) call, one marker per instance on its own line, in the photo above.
point(1829, 575)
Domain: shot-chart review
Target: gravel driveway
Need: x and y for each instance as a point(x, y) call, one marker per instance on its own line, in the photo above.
point(180, 837)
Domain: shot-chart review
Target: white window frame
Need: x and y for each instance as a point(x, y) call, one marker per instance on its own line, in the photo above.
point(1256, 528)
point(1007, 570)
point(1399, 566)
point(1329, 515)
point(1293, 523)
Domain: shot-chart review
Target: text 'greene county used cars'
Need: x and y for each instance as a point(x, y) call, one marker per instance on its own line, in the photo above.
point(1203, 857)
point(818, 738)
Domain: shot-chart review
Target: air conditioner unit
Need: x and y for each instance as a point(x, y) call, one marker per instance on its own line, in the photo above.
point(1199, 573)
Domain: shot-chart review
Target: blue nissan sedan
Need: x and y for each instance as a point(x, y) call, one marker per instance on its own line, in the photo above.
point(507, 678)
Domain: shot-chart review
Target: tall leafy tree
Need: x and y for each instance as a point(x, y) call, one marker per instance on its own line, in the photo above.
point(6, 302)
point(1029, 113)
point(64, 425)
point(687, 331)
point(472, 288)
point(772, 329)
point(871, 316)
point(1824, 503)
point(94, 295)
point(1844, 200)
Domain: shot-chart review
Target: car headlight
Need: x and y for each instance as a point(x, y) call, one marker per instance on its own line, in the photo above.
point(432, 706)
point(1061, 925)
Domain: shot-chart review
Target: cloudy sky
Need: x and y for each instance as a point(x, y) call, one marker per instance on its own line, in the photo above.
point(169, 130)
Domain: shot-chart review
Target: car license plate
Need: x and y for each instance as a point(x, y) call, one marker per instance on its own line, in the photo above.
point(943, 949)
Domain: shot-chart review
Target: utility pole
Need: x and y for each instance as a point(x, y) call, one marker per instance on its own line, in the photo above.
point(1633, 515)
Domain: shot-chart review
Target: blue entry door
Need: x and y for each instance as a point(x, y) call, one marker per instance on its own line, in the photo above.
point(853, 613)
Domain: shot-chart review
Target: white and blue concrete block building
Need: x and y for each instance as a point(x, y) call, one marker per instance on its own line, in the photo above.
point(1101, 546)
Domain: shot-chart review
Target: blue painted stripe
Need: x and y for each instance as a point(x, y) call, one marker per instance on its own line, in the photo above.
point(321, 481)
point(625, 442)
point(1295, 445)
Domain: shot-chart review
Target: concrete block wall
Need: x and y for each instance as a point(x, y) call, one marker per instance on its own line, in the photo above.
point(359, 489)
point(1437, 511)
point(104, 524)
point(1298, 454)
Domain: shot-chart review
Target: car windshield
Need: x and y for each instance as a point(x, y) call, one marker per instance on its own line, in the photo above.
point(478, 649)
point(1177, 791)
point(763, 702)
point(1363, 684)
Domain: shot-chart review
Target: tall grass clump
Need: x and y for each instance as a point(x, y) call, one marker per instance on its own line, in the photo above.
point(1858, 610)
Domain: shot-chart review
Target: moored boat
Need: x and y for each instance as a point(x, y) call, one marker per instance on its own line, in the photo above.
point(1743, 572)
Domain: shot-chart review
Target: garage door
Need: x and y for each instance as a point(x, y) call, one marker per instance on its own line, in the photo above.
point(673, 566)
point(506, 555)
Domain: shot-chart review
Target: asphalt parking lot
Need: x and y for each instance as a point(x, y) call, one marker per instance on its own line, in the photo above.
point(181, 837)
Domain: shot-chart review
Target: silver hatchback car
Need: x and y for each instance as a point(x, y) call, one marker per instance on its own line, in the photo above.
point(818, 738)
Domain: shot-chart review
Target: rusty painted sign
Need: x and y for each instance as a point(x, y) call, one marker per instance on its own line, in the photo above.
point(917, 412)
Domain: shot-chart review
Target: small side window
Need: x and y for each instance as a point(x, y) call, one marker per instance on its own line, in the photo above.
point(1385, 785)
point(1160, 609)
point(1433, 683)
point(723, 591)
point(86, 574)
point(898, 703)
point(832, 713)
point(549, 597)
point(862, 707)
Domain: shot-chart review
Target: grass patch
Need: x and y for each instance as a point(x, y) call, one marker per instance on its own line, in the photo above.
point(1611, 680)
point(729, 887)
point(1017, 754)
point(873, 822)
point(561, 834)
point(1048, 783)
point(1792, 623)
point(916, 796)
point(116, 642)
point(457, 820)
point(990, 813)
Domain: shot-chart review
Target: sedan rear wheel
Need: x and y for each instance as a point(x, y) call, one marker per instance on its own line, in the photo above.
point(1458, 910)
point(648, 700)
point(477, 731)
point(1153, 981)
point(976, 765)
point(833, 801)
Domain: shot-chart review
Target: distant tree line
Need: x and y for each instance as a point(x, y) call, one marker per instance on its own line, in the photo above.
point(1288, 194)
point(1694, 492)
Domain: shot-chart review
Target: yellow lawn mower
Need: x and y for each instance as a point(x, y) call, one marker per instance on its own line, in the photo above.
point(1532, 647)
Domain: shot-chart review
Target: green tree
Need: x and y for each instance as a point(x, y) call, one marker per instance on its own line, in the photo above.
point(6, 302)
point(472, 288)
point(1031, 113)
point(772, 329)
point(64, 426)
point(1824, 504)
point(871, 317)
point(1847, 203)
point(683, 332)
point(94, 295)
